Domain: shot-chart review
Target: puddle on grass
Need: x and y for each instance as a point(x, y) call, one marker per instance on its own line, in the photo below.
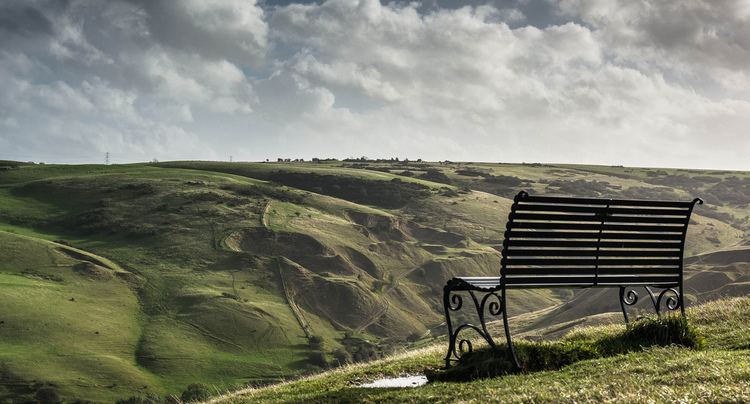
point(397, 382)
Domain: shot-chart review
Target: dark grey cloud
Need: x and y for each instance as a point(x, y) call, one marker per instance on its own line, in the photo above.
point(24, 21)
point(232, 30)
point(537, 13)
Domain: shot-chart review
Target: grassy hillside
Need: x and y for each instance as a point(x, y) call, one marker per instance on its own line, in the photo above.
point(71, 313)
point(236, 273)
point(717, 373)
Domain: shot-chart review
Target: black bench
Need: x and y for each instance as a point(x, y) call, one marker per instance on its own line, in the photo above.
point(557, 242)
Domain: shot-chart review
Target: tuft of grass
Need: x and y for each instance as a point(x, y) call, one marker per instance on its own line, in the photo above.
point(655, 331)
point(554, 355)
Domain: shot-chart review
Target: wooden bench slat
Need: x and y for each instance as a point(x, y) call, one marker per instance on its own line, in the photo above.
point(585, 244)
point(611, 202)
point(591, 261)
point(594, 235)
point(552, 217)
point(664, 285)
point(511, 272)
point(591, 253)
point(590, 280)
point(596, 226)
point(600, 209)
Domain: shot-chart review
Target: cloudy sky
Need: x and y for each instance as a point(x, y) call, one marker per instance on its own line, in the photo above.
point(632, 82)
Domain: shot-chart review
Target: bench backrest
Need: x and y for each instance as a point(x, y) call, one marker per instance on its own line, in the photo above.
point(594, 242)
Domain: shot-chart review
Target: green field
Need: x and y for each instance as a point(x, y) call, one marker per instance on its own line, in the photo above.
point(128, 280)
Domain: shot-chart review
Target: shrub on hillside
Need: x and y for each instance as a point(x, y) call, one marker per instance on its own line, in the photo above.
point(504, 180)
point(342, 356)
point(380, 169)
point(471, 172)
point(254, 191)
point(436, 176)
point(243, 189)
point(732, 190)
point(583, 188)
point(139, 189)
point(310, 369)
point(108, 221)
point(316, 342)
point(386, 194)
point(8, 165)
point(319, 359)
point(195, 392)
point(47, 395)
point(445, 191)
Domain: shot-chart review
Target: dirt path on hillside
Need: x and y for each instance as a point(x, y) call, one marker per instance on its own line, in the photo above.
point(389, 288)
point(264, 216)
point(375, 317)
point(296, 311)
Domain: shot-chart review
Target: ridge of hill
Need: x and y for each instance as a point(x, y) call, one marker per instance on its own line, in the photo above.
point(237, 273)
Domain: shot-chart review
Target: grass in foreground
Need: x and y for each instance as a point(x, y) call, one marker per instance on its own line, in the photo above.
point(576, 347)
point(670, 373)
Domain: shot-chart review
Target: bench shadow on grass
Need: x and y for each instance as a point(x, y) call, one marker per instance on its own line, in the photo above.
point(554, 355)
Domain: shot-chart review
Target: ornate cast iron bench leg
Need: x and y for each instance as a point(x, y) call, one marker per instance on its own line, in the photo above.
point(448, 307)
point(511, 347)
point(490, 303)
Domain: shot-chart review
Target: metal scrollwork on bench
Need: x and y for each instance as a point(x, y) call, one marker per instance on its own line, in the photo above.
point(491, 303)
point(495, 308)
point(628, 297)
point(668, 298)
point(672, 303)
point(456, 303)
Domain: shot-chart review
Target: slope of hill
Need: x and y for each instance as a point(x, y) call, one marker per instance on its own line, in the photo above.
point(659, 374)
point(70, 312)
point(235, 273)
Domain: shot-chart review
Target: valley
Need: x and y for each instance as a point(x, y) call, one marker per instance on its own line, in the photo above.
point(141, 279)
